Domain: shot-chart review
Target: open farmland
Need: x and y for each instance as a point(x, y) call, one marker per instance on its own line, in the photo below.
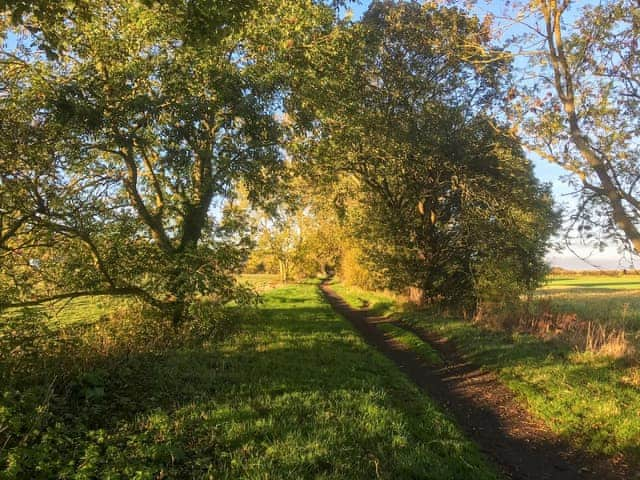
point(611, 300)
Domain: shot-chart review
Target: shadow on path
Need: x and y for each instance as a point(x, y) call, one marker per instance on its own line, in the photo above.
point(520, 444)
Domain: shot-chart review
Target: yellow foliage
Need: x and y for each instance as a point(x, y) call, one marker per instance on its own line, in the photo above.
point(352, 270)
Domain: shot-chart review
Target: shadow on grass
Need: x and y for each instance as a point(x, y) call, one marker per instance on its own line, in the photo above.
point(286, 301)
point(294, 394)
point(585, 398)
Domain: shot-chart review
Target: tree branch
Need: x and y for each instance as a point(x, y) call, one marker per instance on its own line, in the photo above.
point(131, 185)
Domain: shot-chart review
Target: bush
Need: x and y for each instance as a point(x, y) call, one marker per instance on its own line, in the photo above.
point(208, 321)
point(352, 271)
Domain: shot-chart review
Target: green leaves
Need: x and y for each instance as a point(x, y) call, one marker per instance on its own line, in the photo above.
point(150, 115)
point(442, 187)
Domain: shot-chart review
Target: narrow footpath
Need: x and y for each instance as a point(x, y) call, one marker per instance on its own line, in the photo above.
point(522, 446)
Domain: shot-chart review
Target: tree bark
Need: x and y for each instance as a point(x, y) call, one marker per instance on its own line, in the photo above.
point(564, 85)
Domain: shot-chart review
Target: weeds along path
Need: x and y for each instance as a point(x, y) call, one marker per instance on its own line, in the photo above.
point(521, 445)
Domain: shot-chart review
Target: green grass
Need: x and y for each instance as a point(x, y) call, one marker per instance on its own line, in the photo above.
point(591, 401)
point(262, 282)
point(88, 310)
point(606, 299)
point(83, 310)
point(585, 398)
point(380, 303)
point(592, 282)
point(411, 341)
point(295, 393)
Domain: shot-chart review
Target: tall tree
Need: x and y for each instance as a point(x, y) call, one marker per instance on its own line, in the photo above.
point(303, 239)
point(446, 196)
point(119, 137)
point(580, 104)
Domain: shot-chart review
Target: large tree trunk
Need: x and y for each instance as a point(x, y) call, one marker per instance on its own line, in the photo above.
point(284, 270)
point(564, 81)
point(177, 307)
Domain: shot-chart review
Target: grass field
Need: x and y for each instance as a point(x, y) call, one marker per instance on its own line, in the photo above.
point(609, 300)
point(592, 282)
point(294, 393)
point(592, 401)
point(88, 310)
point(84, 310)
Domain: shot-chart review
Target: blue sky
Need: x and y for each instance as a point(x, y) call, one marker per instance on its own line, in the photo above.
point(551, 173)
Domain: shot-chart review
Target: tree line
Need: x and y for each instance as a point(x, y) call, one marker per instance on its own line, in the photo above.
point(148, 148)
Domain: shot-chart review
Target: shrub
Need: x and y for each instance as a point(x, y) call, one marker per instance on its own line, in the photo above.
point(353, 271)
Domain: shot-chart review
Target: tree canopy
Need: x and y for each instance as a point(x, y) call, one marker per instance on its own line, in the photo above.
point(133, 125)
point(126, 137)
point(446, 198)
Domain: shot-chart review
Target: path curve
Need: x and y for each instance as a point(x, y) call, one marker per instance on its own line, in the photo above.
point(522, 446)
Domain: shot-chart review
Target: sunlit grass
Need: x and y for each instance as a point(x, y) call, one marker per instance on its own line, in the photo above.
point(295, 393)
point(606, 299)
point(89, 309)
point(380, 303)
point(81, 310)
point(592, 282)
point(591, 400)
point(411, 341)
point(262, 282)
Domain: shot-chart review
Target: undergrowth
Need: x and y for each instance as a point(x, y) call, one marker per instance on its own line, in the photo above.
point(541, 318)
point(64, 384)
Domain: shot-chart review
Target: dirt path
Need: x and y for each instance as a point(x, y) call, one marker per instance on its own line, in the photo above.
point(522, 446)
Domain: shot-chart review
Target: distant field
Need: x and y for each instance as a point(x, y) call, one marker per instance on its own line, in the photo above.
point(613, 300)
point(87, 310)
point(84, 310)
point(592, 282)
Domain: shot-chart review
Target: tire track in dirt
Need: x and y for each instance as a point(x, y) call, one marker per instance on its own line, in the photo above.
point(522, 446)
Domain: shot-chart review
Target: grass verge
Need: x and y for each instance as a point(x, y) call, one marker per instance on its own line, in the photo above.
point(380, 303)
point(411, 341)
point(591, 400)
point(295, 393)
